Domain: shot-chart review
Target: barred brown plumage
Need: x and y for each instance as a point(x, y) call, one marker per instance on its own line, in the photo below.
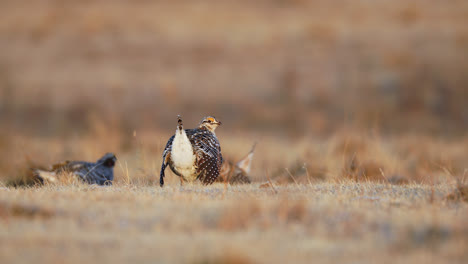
point(237, 173)
point(100, 172)
point(194, 153)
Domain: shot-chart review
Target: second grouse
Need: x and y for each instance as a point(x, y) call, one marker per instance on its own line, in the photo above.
point(100, 172)
point(194, 153)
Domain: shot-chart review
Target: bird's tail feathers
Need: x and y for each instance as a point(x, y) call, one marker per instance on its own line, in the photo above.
point(245, 163)
point(46, 176)
point(180, 126)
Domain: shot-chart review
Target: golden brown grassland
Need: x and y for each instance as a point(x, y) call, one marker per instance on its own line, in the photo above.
point(358, 107)
point(341, 221)
point(350, 198)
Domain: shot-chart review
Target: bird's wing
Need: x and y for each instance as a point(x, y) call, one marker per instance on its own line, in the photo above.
point(208, 153)
point(167, 149)
point(69, 166)
point(95, 173)
point(166, 160)
point(82, 169)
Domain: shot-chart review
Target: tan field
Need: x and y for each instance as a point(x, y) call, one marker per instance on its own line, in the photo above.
point(358, 108)
point(396, 205)
point(323, 222)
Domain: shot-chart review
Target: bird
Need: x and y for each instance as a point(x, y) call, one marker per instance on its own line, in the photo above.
point(237, 173)
point(193, 153)
point(100, 172)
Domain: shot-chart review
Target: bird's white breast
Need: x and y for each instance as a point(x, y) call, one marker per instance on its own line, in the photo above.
point(183, 156)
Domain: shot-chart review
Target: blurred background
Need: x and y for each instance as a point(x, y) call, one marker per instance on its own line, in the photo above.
point(314, 82)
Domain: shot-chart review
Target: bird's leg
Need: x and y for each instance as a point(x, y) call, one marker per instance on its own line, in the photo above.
point(181, 182)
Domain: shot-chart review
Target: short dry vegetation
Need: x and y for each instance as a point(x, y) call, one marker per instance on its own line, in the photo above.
point(358, 109)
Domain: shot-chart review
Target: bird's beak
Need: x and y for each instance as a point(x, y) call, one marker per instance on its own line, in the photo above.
point(218, 123)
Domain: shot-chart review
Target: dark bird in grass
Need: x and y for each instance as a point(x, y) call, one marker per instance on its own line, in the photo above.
point(237, 173)
point(100, 172)
point(194, 153)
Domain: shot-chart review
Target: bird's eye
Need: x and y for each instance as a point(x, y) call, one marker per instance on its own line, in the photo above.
point(110, 163)
point(211, 120)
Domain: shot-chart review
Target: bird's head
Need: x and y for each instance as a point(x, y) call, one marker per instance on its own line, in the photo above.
point(210, 123)
point(108, 160)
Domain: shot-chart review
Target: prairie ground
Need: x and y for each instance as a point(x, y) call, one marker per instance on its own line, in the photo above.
point(349, 198)
point(358, 109)
point(341, 222)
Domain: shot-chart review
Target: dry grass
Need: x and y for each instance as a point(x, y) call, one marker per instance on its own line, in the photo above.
point(354, 155)
point(350, 197)
point(328, 222)
point(331, 200)
point(358, 108)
